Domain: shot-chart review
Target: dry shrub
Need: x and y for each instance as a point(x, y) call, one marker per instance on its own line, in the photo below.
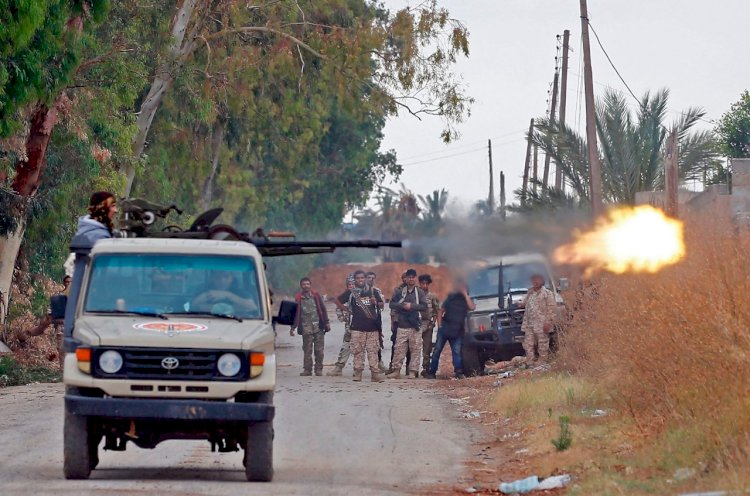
point(672, 348)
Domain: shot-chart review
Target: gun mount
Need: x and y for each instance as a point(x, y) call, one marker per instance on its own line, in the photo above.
point(139, 216)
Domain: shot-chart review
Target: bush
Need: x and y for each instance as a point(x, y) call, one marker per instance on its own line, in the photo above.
point(565, 439)
point(13, 373)
point(672, 349)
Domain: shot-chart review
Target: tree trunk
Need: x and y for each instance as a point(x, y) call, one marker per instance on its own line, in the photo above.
point(165, 75)
point(10, 244)
point(25, 184)
point(216, 142)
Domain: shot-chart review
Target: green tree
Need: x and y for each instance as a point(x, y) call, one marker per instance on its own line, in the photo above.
point(631, 147)
point(733, 129)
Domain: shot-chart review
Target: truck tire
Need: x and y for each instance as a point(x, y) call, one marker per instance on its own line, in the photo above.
point(77, 460)
point(258, 459)
point(472, 361)
point(259, 452)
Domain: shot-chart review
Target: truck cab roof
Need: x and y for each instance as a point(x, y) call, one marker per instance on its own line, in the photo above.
point(165, 245)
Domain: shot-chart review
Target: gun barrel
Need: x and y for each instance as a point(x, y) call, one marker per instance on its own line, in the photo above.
point(282, 248)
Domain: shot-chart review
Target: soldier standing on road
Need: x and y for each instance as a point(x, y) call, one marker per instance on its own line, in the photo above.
point(312, 323)
point(538, 319)
point(408, 303)
point(430, 317)
point(344, 315)
point(365, 327)
point(394, 322)
point(455, 309)
point(371, 276)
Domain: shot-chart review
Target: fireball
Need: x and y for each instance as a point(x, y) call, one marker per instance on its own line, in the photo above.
point(630, 239)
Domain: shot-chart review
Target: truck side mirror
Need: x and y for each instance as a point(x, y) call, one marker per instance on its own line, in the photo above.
point(563, 284)
point(57, 304)
point(287, 313)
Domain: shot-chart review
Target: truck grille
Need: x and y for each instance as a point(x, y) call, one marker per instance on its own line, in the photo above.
point(182, 364)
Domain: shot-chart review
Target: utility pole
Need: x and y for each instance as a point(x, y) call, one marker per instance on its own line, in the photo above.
point(671, 176)
point(563, 100)
point(491, 199)
point(527, 164)
point(552, 112)
point(535, 174)
point(595, 170)
point(502, 194)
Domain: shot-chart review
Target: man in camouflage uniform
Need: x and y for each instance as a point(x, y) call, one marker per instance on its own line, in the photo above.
point(430, 317)
point(408, 304)
point(311, 321)
point(370, 277)
point(365, 326)
point(345, 316)
point(538, 319)
point(394, 323)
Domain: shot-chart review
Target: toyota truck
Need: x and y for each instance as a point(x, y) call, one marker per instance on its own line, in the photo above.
point(169, 335)
point(497, 285)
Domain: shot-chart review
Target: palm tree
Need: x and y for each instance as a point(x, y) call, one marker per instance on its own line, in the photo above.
point(433, 206)
point(631, 147)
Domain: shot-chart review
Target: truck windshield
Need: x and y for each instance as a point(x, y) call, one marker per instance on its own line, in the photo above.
point(174, 283)
point(484, 283)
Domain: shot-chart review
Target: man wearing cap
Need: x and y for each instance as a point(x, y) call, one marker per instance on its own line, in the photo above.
point(538, 319)
point(430, 317)
point(408, 303)
point(364, 304)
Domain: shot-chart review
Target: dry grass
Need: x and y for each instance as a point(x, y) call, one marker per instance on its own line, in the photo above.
point(672, 350)
point(667, 355)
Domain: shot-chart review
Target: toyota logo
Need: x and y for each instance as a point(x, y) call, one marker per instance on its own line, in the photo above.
point(170, 363)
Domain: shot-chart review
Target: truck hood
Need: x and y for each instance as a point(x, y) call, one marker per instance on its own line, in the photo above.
point(174, 332)
point(489, 304)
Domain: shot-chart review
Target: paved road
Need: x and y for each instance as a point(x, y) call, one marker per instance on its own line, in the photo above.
point(333, 436)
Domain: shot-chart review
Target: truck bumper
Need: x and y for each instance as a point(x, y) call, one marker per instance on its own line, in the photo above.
point(168, 409)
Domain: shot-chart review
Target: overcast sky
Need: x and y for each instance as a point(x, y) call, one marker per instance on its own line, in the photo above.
point(696, 48)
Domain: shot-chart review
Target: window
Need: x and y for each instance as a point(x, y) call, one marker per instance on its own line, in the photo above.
point(484, 283)
point(225, 285)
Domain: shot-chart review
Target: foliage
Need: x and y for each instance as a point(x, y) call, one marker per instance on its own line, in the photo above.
point(733, 129)
point(631, 148)
point(13, 373)
point(565, 438)
point(39, 52)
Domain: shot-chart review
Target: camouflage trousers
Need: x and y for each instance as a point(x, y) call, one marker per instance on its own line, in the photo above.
point(346, 349)
point(313, 344)
point(407, 340)
point(535, 341)
point(426, 346)
point(365, 342)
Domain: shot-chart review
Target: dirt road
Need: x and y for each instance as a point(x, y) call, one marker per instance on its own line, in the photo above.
point(333, 436)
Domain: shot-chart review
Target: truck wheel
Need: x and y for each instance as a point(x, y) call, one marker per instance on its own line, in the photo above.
point(259, 452)
point(472, 361)
point(77, 460)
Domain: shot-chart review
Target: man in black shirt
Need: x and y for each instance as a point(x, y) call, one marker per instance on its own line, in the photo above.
point(455, 309)
point(364, 305)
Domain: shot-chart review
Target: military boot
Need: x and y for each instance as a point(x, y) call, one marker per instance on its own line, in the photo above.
point(336, 372)
point(382, 367)
point(396, 374)
point(357, 377)
point(376, 377)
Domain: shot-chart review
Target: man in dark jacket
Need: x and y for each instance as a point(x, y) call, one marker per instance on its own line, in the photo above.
point(408, 303)
point(455, 308)
point(312, 323)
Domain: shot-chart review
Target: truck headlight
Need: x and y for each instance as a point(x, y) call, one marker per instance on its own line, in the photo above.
point(229, 365)
point(110, 362)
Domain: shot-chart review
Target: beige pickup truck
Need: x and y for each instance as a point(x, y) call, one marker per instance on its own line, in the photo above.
point(169, 339)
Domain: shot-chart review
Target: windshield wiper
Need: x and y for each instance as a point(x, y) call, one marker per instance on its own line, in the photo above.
point(207, 314)
point(134, 312)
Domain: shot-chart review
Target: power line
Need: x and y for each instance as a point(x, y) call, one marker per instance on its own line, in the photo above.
point(467, 152)
point(450, 149)
point(612, 63)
